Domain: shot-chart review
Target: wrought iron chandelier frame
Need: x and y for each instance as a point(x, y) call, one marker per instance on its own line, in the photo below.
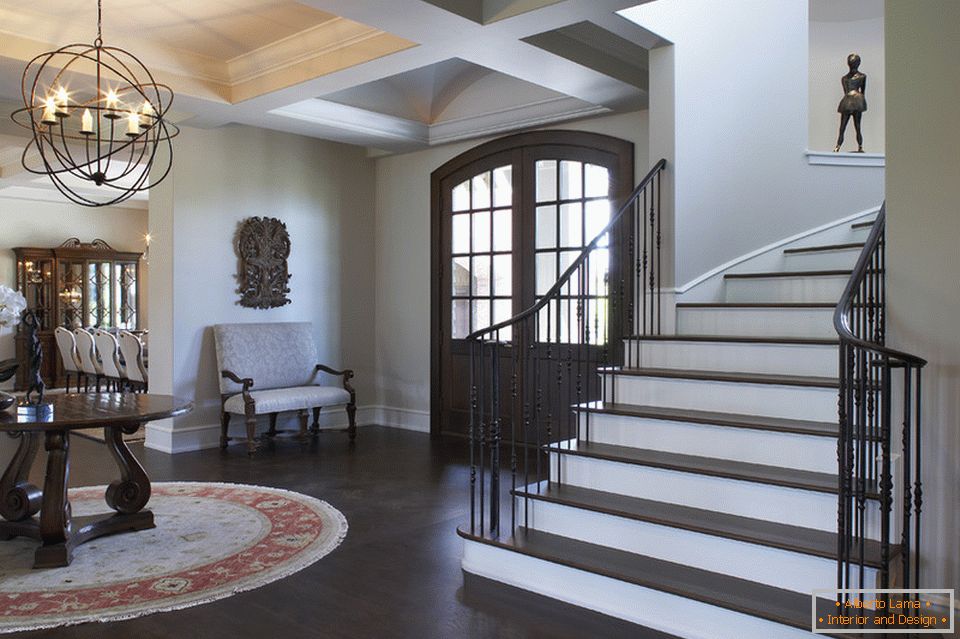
point(95, 153)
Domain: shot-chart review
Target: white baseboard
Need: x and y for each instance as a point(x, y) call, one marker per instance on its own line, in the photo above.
point(168, 438)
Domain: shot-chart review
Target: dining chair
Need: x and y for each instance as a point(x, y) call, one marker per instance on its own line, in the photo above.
point(113, 371)
point(89, 363)
point(67, 345)
point(132, 349)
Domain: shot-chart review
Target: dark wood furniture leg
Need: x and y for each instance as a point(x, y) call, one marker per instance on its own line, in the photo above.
point(224, 427)
point(251, 430)
point(129, 494)
point(54, 548)
point(315, 427)
point(273, 425)
point(19, 499)
point(352, 417)
point(302, 436)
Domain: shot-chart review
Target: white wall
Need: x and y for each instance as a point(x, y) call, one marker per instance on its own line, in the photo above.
point(322, 191)
point(403, 259)
point(830, 44)
point(48, 224)
point(923, 263)
point(740, 173)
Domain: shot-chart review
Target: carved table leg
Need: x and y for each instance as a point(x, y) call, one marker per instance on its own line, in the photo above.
point(131, 492)
point(55, 510)
point(20, 499)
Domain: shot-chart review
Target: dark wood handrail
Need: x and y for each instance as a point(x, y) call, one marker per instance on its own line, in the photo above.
point(565, 277)
point(841, 316)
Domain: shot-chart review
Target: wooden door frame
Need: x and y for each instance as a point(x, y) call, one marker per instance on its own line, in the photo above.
point(623, 179)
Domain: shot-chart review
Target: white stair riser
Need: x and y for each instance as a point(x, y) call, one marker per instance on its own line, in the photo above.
point(835, 259)
point(767, 322)
point(825, 288)
point(686, 618)
point(861, 234)
point(772, 566)
point(789, 450)
point(790, 506)
point(772, 400)
point(740, 357)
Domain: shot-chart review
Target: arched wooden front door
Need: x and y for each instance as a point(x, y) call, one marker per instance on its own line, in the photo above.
point(508, 217)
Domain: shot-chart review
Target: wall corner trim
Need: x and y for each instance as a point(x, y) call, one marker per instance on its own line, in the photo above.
point(829, 158)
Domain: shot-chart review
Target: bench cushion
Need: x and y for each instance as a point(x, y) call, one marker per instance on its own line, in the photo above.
point(283, 399)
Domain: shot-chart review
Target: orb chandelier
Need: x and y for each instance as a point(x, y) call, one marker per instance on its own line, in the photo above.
point(104, 135)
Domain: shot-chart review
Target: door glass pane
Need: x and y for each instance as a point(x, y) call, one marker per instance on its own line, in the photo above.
point(502, 230)
point(546, 227)
point(461, 196)
point(461, 319)
point(461, 233)
point(502, 311)
point(546, 271)
point(460, 275)
point(503, 186)
point(481, 191)
point(546, 181)
point(572, 287)
point(503, 275)
point(481, 275)
point(571, 180)
point(597, 218)
point(571, 220)
point(481, 314)
point(597, 180)
point(481, 232)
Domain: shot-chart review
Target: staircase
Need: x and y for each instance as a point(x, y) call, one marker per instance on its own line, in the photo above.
point(697, 491)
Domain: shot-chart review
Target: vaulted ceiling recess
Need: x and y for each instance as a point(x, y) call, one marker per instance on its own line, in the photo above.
point(96, 115)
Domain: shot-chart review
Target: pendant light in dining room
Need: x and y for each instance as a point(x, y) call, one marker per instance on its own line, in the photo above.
point(98, 119)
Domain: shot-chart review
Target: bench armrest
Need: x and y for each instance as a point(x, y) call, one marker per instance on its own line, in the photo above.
point(347, 376)
point(247, 382)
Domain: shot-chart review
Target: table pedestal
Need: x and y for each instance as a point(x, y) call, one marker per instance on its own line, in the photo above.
point(57, 530)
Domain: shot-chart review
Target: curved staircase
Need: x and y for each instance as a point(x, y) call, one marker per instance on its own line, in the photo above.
point(700, 496)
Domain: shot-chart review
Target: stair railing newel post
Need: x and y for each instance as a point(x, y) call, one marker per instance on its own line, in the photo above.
point(865, 445)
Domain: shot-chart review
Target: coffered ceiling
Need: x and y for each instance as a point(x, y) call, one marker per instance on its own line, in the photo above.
point(392, 75)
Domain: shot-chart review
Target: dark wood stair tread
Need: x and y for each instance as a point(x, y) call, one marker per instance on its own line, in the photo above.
point(756, 305)
point(742, 339)
point(722, 376)
point(824, 248)
point(755, 422)
point(710, 466)
point(809, 541)
point(745, 276)
point(732, 593)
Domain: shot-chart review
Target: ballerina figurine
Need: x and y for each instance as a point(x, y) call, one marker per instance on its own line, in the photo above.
point(854, 101)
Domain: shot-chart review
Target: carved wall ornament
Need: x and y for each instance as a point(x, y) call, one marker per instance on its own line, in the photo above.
point(263, 246)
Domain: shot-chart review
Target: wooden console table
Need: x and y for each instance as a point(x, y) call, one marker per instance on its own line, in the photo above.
point(59, 532)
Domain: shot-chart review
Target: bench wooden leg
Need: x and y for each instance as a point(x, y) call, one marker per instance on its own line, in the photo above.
point(303, 425)
point(273, 425)
point(251, 434)
point(352, 418)
point(315, 428)
point(224, 427)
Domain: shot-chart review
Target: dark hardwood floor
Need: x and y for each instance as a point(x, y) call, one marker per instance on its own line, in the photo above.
point(397, 574)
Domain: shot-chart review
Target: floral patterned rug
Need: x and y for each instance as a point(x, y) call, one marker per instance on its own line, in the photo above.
point(211, 541)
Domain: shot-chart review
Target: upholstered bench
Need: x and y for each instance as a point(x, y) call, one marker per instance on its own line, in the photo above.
point(266, 369)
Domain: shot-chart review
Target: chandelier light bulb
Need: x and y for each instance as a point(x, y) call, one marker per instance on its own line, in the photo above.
point(49, 111)
point(86, 123)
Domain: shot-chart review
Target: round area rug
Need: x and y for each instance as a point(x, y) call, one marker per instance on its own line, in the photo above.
point(211, 541)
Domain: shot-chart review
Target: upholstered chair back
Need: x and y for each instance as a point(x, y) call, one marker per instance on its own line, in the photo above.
point(109, 351)
point(274, 355)
point(67, 345)
point(87, 350)
point(132, 349)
